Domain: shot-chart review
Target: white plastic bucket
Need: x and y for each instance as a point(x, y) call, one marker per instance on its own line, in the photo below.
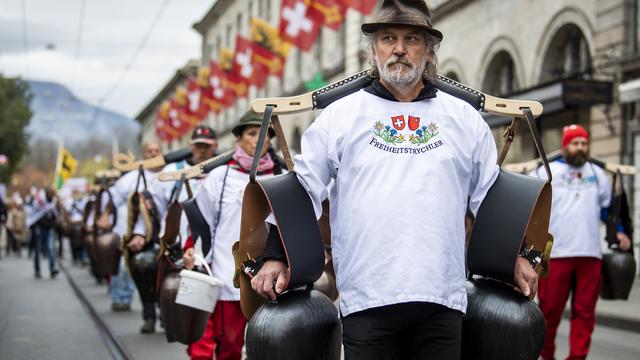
point(198, 290)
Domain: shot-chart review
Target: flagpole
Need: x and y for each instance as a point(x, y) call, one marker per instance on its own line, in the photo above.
point(58, 163)
point(115, 145)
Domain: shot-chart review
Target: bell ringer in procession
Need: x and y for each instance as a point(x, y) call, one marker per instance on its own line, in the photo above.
point(398, 212)
point(390, 227)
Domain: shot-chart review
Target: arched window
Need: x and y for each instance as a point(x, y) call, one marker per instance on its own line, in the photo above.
point(567, 55)
point(453, 76)
point(500, 78)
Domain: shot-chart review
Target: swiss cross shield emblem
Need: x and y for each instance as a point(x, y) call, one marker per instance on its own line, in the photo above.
point(398, 122)
point(414, 123)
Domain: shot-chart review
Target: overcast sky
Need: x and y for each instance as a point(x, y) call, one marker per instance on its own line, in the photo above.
point(112, 30)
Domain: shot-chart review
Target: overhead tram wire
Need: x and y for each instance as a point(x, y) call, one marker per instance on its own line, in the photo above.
point(25, 37)
point(127, 67)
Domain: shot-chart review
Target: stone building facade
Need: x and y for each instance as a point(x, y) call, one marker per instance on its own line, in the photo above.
point(578, 57)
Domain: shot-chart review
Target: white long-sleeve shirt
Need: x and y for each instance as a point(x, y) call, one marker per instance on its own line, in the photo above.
point(403, 173)
point(227, 230)
point(75, 208)
point(161, 191)
point(120, 193)
point(578, 196)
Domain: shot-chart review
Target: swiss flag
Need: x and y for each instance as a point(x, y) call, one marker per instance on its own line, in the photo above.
point(328, 12)
point(214, 94)
point(414, 123)
point(244, 64)
point(398, 122)
point(363, 6)
point(195, 104)
point(164, 131)
point(296, 26)
point(232, 80)
point(182, 104)
point(172, 119)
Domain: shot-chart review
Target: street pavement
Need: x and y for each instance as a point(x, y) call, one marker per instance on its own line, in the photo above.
point(607, 343)
point(126, 325)
point(44, 319)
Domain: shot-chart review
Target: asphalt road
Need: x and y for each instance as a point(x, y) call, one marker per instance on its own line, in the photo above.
point(42, 318)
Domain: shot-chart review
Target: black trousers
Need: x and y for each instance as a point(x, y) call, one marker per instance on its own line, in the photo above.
point(149, 311)
point(414, 330)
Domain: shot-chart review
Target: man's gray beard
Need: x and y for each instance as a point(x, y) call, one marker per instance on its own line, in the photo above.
point(396, 78)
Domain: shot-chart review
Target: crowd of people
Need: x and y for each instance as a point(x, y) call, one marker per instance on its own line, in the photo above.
point(417, 212)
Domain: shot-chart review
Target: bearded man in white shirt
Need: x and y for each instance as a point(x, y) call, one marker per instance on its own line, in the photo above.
point(580, 190)
point(405, 160)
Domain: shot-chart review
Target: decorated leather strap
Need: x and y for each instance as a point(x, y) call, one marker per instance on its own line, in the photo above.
point(323, 97)
point(102, 218)
point(197, 170)
point(127, 162)
point(170, 246)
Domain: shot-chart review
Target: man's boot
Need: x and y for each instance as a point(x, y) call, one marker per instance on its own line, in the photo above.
point(148, 327)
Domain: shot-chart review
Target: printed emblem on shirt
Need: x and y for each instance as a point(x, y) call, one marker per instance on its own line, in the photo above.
point(575, 178)
point(407, 130)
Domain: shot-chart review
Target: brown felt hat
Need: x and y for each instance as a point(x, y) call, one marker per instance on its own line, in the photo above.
point(250, 118)
point(402, 13)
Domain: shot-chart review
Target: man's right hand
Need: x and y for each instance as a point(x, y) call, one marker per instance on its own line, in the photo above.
point(136, 243)
point(189, 258)
point(272, 279)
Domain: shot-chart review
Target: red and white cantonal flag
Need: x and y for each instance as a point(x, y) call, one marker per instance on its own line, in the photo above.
point(329, 13)
point(244, 63)
point(212, 83)
point(166, 129)
point(363, 6)
point(195, 104)
point(296, 26)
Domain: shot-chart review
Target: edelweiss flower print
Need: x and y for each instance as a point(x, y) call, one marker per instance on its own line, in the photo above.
point(401, 130)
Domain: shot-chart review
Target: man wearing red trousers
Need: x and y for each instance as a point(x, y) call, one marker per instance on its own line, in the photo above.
point(580, 190)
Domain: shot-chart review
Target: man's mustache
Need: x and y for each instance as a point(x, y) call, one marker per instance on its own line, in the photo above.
point(399, 60)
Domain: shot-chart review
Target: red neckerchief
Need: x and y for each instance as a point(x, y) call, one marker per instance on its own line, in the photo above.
point(236, 166)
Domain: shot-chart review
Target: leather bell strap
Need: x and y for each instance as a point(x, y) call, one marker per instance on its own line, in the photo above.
point(179, 184)
point(141, 176)
point(509, 135)
point(199, 227)
point(264, 127)
point(537, 141)
point(282, 142)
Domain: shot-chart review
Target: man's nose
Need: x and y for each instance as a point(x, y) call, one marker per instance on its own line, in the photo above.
point(399, 49)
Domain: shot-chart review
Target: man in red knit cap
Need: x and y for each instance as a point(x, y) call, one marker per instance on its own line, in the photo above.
point(580, 190)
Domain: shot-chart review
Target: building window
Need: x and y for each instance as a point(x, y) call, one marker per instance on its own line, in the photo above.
point(267, 9)
point(453, 76)
point(500, 78)
point(567, 55)
point(239, 24)
point(228, 37)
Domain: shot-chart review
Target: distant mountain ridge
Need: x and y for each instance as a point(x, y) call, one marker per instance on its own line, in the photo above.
point(58, 114)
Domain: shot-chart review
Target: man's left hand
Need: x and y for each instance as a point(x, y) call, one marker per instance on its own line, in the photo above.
point(623, 241)
point(525, 277)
